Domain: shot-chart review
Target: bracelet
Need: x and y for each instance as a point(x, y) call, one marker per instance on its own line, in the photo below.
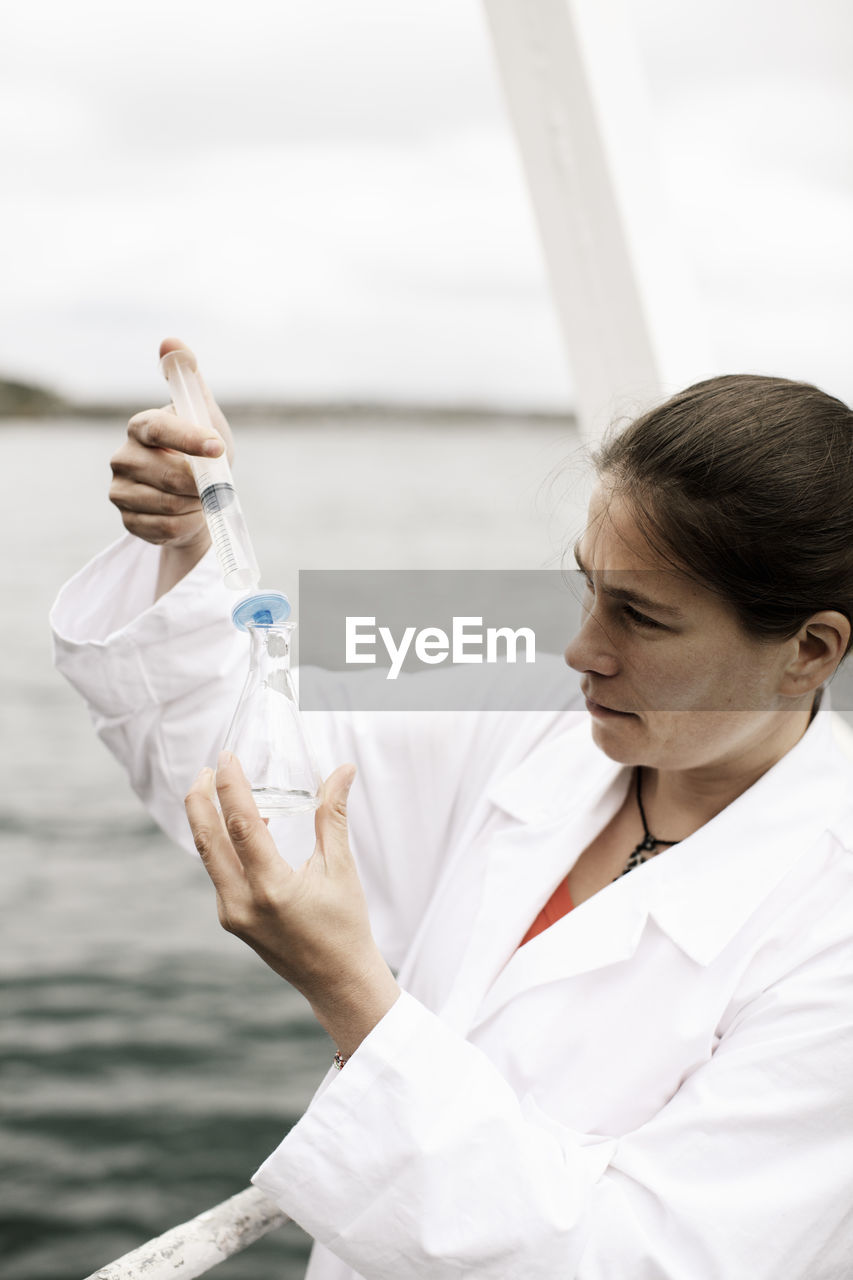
point(339, 1061)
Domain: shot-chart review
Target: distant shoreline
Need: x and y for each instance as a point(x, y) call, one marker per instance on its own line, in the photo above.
point(26, 402)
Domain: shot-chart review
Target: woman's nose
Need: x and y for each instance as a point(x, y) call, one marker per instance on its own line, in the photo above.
point(591, 649)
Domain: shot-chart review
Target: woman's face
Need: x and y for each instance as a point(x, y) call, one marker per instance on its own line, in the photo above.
point(671, 678)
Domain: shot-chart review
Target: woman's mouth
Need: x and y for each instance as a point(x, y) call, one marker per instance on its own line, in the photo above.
point(604, 713)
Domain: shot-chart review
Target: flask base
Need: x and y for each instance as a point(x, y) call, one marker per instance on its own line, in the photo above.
point(274, 804)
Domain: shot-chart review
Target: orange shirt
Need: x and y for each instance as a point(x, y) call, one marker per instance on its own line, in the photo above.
point(558, 905)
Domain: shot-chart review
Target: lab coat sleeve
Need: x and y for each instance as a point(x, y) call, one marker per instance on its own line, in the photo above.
point(159, 679)
point(162, 680)
point(418, 1162)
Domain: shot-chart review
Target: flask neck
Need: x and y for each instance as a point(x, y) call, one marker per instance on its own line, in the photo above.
point(270, 646)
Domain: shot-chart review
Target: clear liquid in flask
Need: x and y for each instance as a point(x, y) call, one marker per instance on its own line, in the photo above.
point(267, 735)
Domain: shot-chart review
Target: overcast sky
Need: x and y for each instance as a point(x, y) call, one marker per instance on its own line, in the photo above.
point(325, 198)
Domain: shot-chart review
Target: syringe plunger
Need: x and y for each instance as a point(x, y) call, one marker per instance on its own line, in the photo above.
point(213, 477)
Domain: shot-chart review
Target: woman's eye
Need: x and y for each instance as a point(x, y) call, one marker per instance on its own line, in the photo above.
point(633, 615)
point(640, 619)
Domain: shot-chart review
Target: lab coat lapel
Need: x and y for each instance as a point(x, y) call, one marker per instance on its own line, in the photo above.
point(602, 931)
point(555, 804)
point(701, 892)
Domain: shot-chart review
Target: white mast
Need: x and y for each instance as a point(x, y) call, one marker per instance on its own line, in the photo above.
point(579, 106)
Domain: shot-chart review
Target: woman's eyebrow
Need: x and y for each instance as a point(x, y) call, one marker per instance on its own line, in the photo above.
point(627, 595)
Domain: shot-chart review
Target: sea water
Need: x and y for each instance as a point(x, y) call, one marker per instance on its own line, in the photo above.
point(150, 1061)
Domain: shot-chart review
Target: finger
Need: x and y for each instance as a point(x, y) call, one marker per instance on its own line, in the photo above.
point(145, 499)
point(161, 531)
point(173, 344)
point(154, 516)
point(160, 468)
point(211, 839)
point(330, 821)
point(162, 429)
point(246, 828)
point(172, 531)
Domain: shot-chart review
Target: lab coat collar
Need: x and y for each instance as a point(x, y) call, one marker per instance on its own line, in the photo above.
point(547, 787)
point(703, 890)
point(729, 866)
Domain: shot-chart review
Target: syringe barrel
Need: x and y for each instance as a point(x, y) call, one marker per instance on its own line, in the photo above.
point(213, 478)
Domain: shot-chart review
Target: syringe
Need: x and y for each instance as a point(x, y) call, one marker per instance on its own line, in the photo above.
point(220, 503)
point(213, 478)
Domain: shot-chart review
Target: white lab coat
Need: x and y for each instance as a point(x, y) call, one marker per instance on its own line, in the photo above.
point(658, 1087)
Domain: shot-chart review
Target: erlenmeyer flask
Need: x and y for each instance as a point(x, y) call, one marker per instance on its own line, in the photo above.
point(266, 734)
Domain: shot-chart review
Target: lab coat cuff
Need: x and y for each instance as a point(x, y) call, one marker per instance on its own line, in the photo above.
point(416, 1109)
point(119, 647)
point(306, 1156)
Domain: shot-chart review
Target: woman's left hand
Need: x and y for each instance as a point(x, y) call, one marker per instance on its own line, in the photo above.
point(310, 925)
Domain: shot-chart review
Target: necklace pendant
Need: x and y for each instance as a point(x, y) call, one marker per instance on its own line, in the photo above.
point(649, 843)
point(638, 857)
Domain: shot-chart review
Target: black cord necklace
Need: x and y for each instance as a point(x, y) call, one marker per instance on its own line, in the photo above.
point(649, 843)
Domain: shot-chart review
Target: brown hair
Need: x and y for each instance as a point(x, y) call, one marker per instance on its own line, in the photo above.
point(747, 483)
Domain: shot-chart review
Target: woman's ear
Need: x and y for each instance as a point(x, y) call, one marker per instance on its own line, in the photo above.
point(819, 646)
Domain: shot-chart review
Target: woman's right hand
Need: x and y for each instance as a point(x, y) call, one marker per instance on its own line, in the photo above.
point(153, 485)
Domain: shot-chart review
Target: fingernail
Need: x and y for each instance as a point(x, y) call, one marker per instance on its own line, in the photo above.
point(212, 448)
point(224, 759)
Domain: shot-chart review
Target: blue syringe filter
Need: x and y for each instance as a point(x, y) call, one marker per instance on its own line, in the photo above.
point(264, 609)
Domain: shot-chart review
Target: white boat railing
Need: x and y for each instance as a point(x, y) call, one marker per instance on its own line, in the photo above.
point(194, 1247)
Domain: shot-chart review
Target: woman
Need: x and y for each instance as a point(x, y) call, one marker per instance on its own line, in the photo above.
point(575, 1072)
